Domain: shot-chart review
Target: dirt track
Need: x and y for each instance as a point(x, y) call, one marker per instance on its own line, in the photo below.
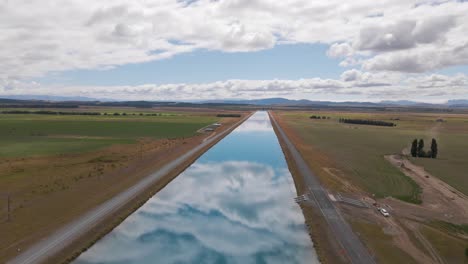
point(440, 200)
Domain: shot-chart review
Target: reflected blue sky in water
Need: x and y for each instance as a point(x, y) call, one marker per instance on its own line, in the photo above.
point(233, 205)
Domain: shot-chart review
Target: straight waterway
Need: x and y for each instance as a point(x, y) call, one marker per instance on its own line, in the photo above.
point(235, 204)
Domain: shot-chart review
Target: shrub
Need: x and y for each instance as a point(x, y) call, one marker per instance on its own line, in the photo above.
point(228, 115)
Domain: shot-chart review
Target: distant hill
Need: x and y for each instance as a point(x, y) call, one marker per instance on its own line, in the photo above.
point(304, 102)
point(266, 101)
point(458, 103)
point(42, 100)
point(288, 102)
point(399, 102)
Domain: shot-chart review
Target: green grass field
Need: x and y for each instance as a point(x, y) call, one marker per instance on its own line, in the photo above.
point(31, 134)
point(359, 150)
point(452, 163)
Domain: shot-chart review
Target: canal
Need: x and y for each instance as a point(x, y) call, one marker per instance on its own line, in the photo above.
point(235, 204)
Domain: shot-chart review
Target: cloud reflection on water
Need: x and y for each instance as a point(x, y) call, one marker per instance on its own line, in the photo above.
point(241, 212)
point(254, 124)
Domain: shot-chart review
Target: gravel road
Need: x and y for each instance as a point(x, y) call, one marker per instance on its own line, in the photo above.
point(353, 247)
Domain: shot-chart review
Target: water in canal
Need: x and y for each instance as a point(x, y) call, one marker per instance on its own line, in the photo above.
point(233, 205)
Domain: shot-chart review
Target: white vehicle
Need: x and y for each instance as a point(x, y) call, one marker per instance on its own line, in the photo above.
point(384, 212)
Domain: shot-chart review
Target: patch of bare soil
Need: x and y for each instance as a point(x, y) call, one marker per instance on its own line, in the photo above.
point(440, 200)
point(403, 241)
point(414, 227)
point(405, 233)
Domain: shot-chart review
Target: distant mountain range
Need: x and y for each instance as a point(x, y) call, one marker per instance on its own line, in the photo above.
point(289, 102)
point(278, 101)
point(304, 102)
point(460, 102)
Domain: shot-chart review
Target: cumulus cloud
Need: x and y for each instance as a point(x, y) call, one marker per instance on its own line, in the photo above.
point(39, 37)
point(351, 75)
point(433, 29)
point(43, 37)
point(367, 85)
point(419, 60)
point(382, 38)
point(420, 39)
point(338, 50)
point(404, 34)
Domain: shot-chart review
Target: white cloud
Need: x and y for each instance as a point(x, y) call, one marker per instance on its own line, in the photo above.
point(43, 36)
point(419, 60)
point(40, 37)
point(339, 50)
point(351, 75)
point(361, 84)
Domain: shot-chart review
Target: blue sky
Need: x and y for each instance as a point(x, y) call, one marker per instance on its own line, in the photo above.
point(364, 50)
point(290, 61)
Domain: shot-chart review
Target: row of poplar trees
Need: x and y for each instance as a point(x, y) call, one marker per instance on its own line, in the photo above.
point(417, 149)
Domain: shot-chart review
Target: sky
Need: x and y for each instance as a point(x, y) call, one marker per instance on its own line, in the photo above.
point(364, 50)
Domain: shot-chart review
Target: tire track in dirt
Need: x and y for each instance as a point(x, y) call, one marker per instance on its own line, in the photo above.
point(403, 241)
point(439, 198)
point(426, 244)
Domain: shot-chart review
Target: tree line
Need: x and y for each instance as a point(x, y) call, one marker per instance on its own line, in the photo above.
point(228, 115)
point(367, 122)
point(38, 105)
point(133, 114)
point(417, 149)
point(319, 117)
point(45, 112)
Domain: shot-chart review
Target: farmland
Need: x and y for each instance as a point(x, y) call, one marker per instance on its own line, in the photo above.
point(357, 152)
point(54, 168)
point(29, 135)
point(353, 159)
